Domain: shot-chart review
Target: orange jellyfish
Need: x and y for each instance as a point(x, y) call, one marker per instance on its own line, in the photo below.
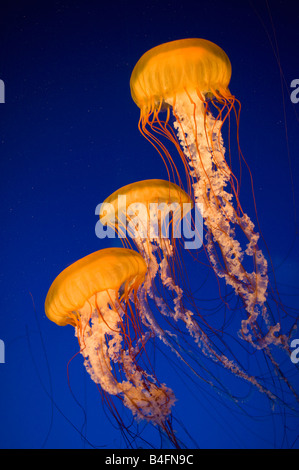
point(150, 212)
point(142, 211)
point(98, 296)
point(181, 88)
point(191, 78)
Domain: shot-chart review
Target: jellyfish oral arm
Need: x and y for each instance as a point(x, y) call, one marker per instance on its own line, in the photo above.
point(102, 344)
point(200, 138)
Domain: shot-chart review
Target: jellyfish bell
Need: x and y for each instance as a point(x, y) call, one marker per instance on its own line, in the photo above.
point(101, 271)
point(98, 295)
point(176, 68)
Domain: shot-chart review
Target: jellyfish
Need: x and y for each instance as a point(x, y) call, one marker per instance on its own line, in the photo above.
point(181, 88)
point(151, 212)
point(98, 296)
point(191, 78)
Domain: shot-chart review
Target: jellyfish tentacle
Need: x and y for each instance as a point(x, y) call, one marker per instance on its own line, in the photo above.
point(200, 136)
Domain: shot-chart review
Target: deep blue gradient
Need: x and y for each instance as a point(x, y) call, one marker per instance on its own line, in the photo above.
point(68, 139)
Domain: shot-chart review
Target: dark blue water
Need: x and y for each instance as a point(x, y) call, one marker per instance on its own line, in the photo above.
point(68, 139)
